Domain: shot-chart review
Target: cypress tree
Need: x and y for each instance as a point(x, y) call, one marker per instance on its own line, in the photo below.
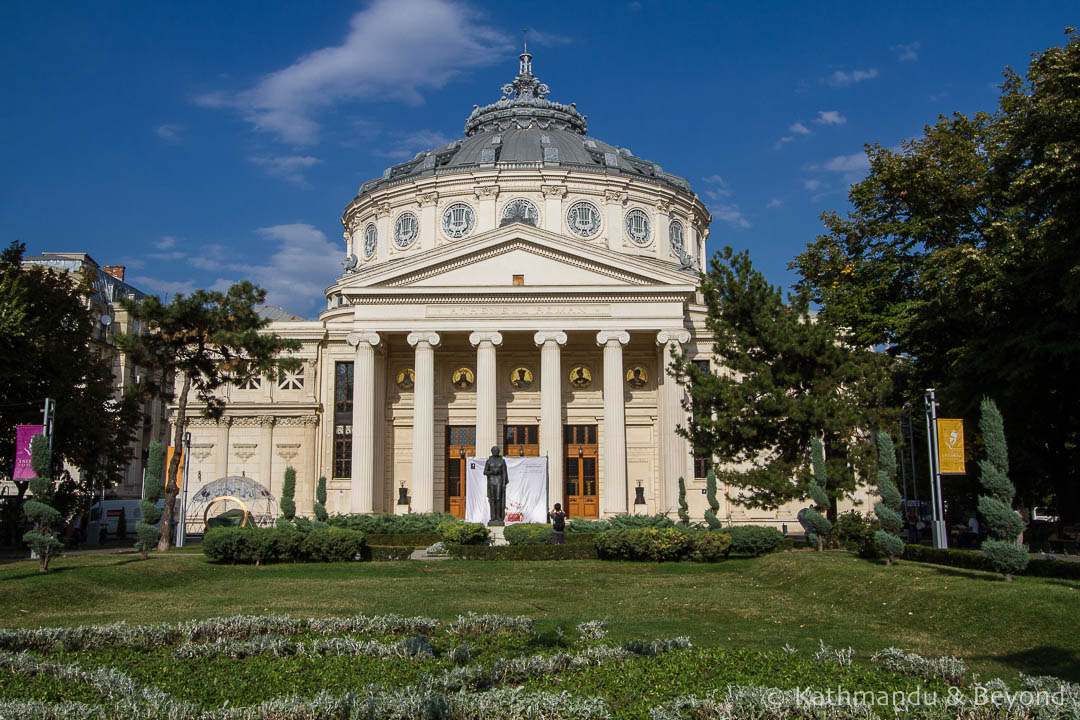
point(887, 540)
point(710, 495)
point(684, 509)
point(1003, 524)
point(147, 528)
point(288, 490)
point(320, 501)
point(43, 538)
point(820, 527)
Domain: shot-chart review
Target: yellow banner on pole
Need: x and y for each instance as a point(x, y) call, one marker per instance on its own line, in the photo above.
point(950, 433)
point(179, 470)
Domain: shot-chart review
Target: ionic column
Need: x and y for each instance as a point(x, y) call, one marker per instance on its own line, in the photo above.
point(266, 453)
point(305, 481)
point(674, 448)
point(423, 466)
point(551, 429)
point(223, 446)
point(487, 435)
point(614, 420)
point(362, 492)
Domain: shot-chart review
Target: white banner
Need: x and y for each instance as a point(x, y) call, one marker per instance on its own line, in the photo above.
point(526, 494)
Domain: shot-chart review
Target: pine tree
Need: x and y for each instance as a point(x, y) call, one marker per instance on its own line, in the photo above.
point(684, 509)
point(1003, 524)
point(320, 501)
point(820, 527)
point(43, 539)
point(887, 540)
point(147, 529)
point(710, 495)
point(287, 504)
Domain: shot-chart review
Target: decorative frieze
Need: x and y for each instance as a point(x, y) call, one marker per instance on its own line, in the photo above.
point(244, 451)
point(201, 451)
point(288, 451)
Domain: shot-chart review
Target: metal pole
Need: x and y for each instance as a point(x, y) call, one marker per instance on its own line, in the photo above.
point(940, 534)
point(928, 398)
point(183, 495)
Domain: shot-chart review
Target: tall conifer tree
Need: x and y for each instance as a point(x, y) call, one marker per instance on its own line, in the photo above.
point(1003, 524)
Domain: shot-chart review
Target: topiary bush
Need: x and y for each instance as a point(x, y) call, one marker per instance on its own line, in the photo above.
point(288, 491)
point(147, 529)
point(855, 532)
point(819, 527)
point(887, 540)
point(320, 500)
point(528, 534)
point(389, 524)
point(710, 496)
point(43, 538)
point(1003, 524)
point(709, 546)
point(252, 545)
point(657, 544)
point(331, 544)
point(684, 509)
point(753, 540)
point(458, 532)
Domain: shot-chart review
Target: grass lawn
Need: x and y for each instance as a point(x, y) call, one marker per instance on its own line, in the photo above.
point(798, 598)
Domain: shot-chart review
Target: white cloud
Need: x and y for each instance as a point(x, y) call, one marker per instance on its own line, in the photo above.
point(719, 189)
point(166, 242)
point(406, 145)
point(811, 185)
point(394, 50)
point(163, 287)
point(730, 214)
point(856, 162)
point(907, 53)
point(774, 203)
point(169, 132)
point(782, 142)
point(844, 79)
point(290, 168)
point(800, 129)
point(830, 117)
point(714, 179)
point(167, 256)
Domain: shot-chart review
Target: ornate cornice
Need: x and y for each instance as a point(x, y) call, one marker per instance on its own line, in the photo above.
point(298, 421)
point(267, 421)
point(487, 299)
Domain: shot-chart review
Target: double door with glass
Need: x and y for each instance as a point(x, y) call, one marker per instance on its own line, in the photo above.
point(582, 499)
point(460, 444)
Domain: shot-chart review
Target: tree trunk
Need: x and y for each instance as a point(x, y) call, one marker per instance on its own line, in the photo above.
point(171, 488)
point(43, 566)
point(820, 544)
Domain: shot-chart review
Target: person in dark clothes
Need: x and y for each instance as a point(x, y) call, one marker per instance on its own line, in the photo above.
point(557, 518)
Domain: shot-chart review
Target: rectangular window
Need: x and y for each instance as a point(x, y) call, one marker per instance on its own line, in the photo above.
point(701, 466)
point(342, 451)
point(343, 389)
point(703, 365)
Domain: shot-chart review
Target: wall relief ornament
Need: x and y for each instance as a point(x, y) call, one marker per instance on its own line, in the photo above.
point(580, 377)
point(288, 451)
point(463, 378)
point(637, 377)
point(405, 379)
point(521, 378)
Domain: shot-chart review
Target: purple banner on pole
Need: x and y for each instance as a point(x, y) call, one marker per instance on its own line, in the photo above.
point(23, 435)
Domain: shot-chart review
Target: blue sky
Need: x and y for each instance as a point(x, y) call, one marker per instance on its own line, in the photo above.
point(200, 143)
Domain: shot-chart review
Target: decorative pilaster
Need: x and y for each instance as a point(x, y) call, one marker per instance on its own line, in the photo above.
point(266, 454)
point(423, 466)
point(616, 205)
point(362, 494)
point(385, 231)
point(614, 421)
point(429, 220)
point(487, 434)
point(675, 450)
point(223, 448)
point(305, 484)
point(553, 207)
point(485, 211)
point(551, 426)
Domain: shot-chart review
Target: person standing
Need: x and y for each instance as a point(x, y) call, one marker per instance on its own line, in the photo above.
point(557, 518)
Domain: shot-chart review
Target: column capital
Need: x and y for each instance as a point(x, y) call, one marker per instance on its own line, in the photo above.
point(431, 338)
point(606, 336)
point(673, 335)
point(495, 338)
point(544, 336)
point(267, 420)
point(355, 338)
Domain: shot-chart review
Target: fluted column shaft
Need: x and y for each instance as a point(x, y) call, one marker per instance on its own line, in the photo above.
point(551, 428)
point(423, 468)
point(362, 494)
point(266, 455)
point(675, 448)
point(223, 446)
point(487, 435)
point(614, 421)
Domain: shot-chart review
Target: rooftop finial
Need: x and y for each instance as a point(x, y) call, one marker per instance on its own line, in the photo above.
point(526, 59)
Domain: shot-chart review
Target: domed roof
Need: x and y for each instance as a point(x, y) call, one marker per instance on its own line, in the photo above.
point(525, 129)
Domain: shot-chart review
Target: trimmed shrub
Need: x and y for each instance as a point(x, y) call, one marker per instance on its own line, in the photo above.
point(288, 490)
point(459, 532)
point(818, 526)
point(1003, 524)
point(709, 546)
point(331, 544)
point(415, 540)
point(381, 553)
point(389, 524)
point(591, 527)
point(320, 500)
point(147, 529)
point(643, 544)
point(710, 496)
point(528, 534)
point(570, 551)
point(855, 532)
point(1006, 557)
point(247, 545)
point(619, 522)
point(684, 509)
point(887, 540)
point(43, 538)
point(753, 539)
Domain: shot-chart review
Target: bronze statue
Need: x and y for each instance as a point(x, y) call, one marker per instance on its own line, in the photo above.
point(497, 480)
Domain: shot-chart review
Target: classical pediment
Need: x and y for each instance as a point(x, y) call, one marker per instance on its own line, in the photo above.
point(542, 258)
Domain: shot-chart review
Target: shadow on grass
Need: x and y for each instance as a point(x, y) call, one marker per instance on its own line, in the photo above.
point(969, 574)
point(1041, 660)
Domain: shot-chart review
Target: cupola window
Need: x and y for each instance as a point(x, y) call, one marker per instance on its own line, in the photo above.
point(406, 229)
point(371, 240)
point(583, 219)
point(458, 220)
point(637, 227)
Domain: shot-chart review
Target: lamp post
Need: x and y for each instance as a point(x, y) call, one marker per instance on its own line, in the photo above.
point(181, 527)
point(941, 538)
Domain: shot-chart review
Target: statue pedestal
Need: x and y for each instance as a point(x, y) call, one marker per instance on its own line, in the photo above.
point(496, 523)
point(497, 536)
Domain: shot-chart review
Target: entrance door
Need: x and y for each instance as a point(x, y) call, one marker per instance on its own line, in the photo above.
point(581, 460)
point(460, 444)
point(522, 441)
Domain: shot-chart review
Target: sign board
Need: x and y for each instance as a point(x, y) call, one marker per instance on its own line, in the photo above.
point(526, 493)
point(179, 470)
point(23, 435)
point(950, 433)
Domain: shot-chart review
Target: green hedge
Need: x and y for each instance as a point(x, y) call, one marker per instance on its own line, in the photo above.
point(618, 522)
point(379, 553)
point(388, 524)
point(528, 534)
point(972, 560)
point(416, 540)
point(754, 539)
point(459, 532)
point(251, 545)
point(661, 544)
point(576, 551)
